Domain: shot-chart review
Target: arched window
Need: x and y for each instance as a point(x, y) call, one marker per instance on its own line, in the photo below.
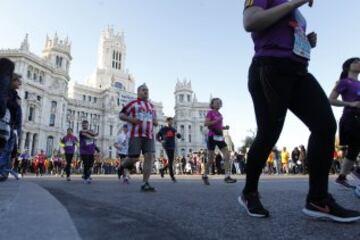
point(53, 105)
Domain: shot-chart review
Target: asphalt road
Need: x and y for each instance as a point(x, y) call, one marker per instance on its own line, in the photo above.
point(108, 209)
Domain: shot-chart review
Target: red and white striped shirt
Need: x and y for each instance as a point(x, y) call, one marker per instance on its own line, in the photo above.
point(143, 111)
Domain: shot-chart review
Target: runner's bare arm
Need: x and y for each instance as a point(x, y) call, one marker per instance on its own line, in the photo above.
point(256, 19)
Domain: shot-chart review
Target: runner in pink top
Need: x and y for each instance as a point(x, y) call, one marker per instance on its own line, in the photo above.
point(214, 121)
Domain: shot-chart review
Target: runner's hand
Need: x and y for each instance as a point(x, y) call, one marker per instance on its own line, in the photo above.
point(312, 37)
point(299, 3)
point(135, 121)
point(355, 104)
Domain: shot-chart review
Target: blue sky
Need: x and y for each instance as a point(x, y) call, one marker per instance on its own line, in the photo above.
point(202, 40)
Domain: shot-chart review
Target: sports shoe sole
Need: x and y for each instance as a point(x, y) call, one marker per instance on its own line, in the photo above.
point(345, 187)
point(320, 215)
point(247, 210)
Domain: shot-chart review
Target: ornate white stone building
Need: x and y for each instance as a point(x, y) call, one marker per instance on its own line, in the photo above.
point(189, 119)
point(52, 101)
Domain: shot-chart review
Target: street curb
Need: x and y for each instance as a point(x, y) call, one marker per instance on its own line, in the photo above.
point(34, 212)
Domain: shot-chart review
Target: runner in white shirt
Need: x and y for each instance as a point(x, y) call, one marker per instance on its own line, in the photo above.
point(122, 146)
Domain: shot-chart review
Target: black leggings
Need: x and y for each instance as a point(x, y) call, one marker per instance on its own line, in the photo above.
point(68, 158)
point(278, 84)
point(88, 162)
point(170, 154)
point(350, 134)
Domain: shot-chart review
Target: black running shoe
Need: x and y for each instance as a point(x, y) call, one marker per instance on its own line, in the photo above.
point(173, 179)
point(205, 179)
point(344, 182)
point(147, 188)
point(230, 180)
point(251, 203)
point(329, 209)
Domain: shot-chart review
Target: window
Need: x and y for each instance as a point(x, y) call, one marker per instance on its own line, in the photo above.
point(188, 98)
point(181, 97)
point(189, 138)
point(26, 95)
point(116, 60)
point(84, 98)
point(52, 120)
point(28, 74)
point(38, 98)
point(110, 152)
point(53, 105)
point(49, 145)
point(89, 98)
point(182, 131)
point(95, 99)
point(31, 115)
point(35, 76)
point(111, 130)
point(40, 79)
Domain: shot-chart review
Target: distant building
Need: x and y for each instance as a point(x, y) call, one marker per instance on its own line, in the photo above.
point(52, 101)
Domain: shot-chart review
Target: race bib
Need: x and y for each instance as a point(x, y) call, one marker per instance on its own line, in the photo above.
point(302, 45)
point(219, 138)
point(144, 116)
point(69, 144)
point(89, 142)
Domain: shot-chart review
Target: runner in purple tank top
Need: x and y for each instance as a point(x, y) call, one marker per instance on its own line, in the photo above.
point(349, 89)
point(279, 80)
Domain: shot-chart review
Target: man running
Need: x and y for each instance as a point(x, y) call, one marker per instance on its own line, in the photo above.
point(141, 116)
point(166, 136)
point(87, 149)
